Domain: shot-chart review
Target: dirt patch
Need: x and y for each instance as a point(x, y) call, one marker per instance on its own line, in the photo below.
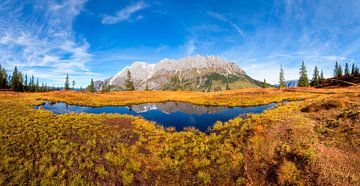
point(325, 105)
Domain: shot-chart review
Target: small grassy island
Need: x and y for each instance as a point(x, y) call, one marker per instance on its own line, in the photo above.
point(312, 140)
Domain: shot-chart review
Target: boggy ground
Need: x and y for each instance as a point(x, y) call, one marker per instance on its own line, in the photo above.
point(311, 142)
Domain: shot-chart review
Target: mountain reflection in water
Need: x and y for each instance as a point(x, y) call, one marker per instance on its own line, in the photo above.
point(175, 114)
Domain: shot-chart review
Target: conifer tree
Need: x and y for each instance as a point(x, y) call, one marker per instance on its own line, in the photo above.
point(67, 85)
point(336, 69)
point(73, 84)
point(108, 88)
point(1, 78)
point(353, 67)
point(91, 87)
point(26, 83)
point(322, 79)
point(282, 78)
point(129, 84)
point(303, 80)
point(265, 84)
point(103, 87)
point(357, 71)
point(347, 70)
point(147, 87)
point(15, 79)
point(37, 88)
point(340, 72)
point(316, 78)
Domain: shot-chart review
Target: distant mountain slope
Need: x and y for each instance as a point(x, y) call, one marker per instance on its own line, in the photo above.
point(201, 73)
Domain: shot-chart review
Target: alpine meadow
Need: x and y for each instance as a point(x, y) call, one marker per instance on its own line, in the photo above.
point(179, 93)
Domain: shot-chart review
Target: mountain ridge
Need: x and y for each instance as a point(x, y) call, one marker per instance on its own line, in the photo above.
point(202, 73)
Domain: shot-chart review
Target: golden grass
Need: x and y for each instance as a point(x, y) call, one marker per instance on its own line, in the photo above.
point(280, 146)
point(242, 97)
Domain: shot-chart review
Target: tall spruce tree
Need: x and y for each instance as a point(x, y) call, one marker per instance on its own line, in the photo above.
point(347, 70)
point(3, 77)
point(91, 87)
point(316, 77)
point(103, 87)
point(15, 79)
point(336, 69)
point(265, 84)
point(26, 83)
point(353, 67)
point(340, 71)
point(73, 84)
point(322, 78)
point(37, 87)
point(67, 83)
point(129, 84)
point(303, 80)
point(282, 78)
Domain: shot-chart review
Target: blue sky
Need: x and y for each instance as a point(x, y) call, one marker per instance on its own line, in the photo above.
point(96, 39)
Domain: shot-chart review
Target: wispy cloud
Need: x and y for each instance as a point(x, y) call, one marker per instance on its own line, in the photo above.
point(223, 18)
point(125, 14)
point(190, 47)
point(42, 41)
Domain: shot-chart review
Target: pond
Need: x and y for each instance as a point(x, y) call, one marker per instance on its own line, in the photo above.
point(168, 114)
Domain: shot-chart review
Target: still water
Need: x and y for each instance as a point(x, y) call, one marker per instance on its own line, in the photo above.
point(175, 114)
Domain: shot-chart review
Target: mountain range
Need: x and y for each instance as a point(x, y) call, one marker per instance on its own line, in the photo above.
point(201, 73)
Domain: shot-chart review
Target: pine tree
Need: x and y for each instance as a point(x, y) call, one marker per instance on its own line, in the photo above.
point(103, 87)
point(91, 87)
point(282, 78)
point(129, 84)
point(347, 70)
point(73, 84)
point(1, 78)
point(108, 88)
point(316, 78)
point(26, 83)
point(303, 80)
point(147, 87)
point(353, 67)
point(357, 71)
point(37, 88)
point(265, 84)
point(340, 72)
point(336, 69)
point(15, 79)
point(322, 79)
point(20, 82)
point(67, 85)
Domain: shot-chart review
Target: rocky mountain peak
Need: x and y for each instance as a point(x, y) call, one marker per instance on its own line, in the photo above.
point(155, 76)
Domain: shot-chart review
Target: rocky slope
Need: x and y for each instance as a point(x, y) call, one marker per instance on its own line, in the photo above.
point(202, 73)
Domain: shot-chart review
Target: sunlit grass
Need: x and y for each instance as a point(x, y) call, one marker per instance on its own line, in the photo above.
point(281, 146)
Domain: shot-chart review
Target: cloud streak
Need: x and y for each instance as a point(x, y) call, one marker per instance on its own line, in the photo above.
point(41, 40)
point(125, 14)
point(221, 17)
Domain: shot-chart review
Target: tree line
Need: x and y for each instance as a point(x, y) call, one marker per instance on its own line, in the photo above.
point(318, 76)
point(22, 83)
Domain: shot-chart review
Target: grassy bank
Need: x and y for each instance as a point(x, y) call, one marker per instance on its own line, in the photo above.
point(244, 97)
point(312, 142)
